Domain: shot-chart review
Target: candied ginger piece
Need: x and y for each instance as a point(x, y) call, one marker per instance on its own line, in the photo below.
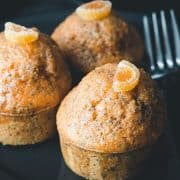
point(94, 10)
point(20, 34)
point(126, 77)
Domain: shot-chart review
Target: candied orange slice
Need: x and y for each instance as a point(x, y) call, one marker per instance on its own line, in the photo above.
point(126, 77)
point(94, 10)
point(20, 34)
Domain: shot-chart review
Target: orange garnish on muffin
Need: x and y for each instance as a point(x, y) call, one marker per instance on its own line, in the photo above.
point(126, 77)
point(94, 10)
point(20, 34)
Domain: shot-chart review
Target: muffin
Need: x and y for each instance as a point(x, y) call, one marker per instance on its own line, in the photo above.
point(94, 35)
point(34, 79)
point(110, 121)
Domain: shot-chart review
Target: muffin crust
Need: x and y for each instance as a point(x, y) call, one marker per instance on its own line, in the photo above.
point(88, 44)
point(30, 129)
point(94, 117)
point(104, 166)
point(34, 79)
point(33, 76)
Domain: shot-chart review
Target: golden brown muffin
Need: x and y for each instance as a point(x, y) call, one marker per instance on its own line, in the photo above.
point(34, 79)
point(91, 43)
point(106, 134)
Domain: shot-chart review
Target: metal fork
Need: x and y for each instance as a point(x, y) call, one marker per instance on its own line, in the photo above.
point(162, 40)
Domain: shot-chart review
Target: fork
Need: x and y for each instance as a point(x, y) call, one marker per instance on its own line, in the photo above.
point(162, 49)
point(163, 60)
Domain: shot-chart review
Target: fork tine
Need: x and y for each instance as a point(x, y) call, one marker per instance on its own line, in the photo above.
point(159, 55)
point(168, 54)
point(176, 36)
point(148, 41)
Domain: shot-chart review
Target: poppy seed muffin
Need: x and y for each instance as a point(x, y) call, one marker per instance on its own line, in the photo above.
point(106, 134)
point(87, 44)
point(34, 79)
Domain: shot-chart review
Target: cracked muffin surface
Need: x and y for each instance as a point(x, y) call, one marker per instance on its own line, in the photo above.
point(89, 44)
point(95, 117)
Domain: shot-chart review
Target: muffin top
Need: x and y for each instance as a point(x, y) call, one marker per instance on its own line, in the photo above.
point(33, 74)
point(89, 43)
point(95, 116)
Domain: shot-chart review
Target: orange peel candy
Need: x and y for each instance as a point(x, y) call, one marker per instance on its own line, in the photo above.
point(20, 34)
point(126, 77)
point(94, 10)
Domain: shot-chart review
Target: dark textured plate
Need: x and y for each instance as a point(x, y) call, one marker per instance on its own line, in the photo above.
point(44, 160)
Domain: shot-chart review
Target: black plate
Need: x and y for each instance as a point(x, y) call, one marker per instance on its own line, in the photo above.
point(44, 160)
